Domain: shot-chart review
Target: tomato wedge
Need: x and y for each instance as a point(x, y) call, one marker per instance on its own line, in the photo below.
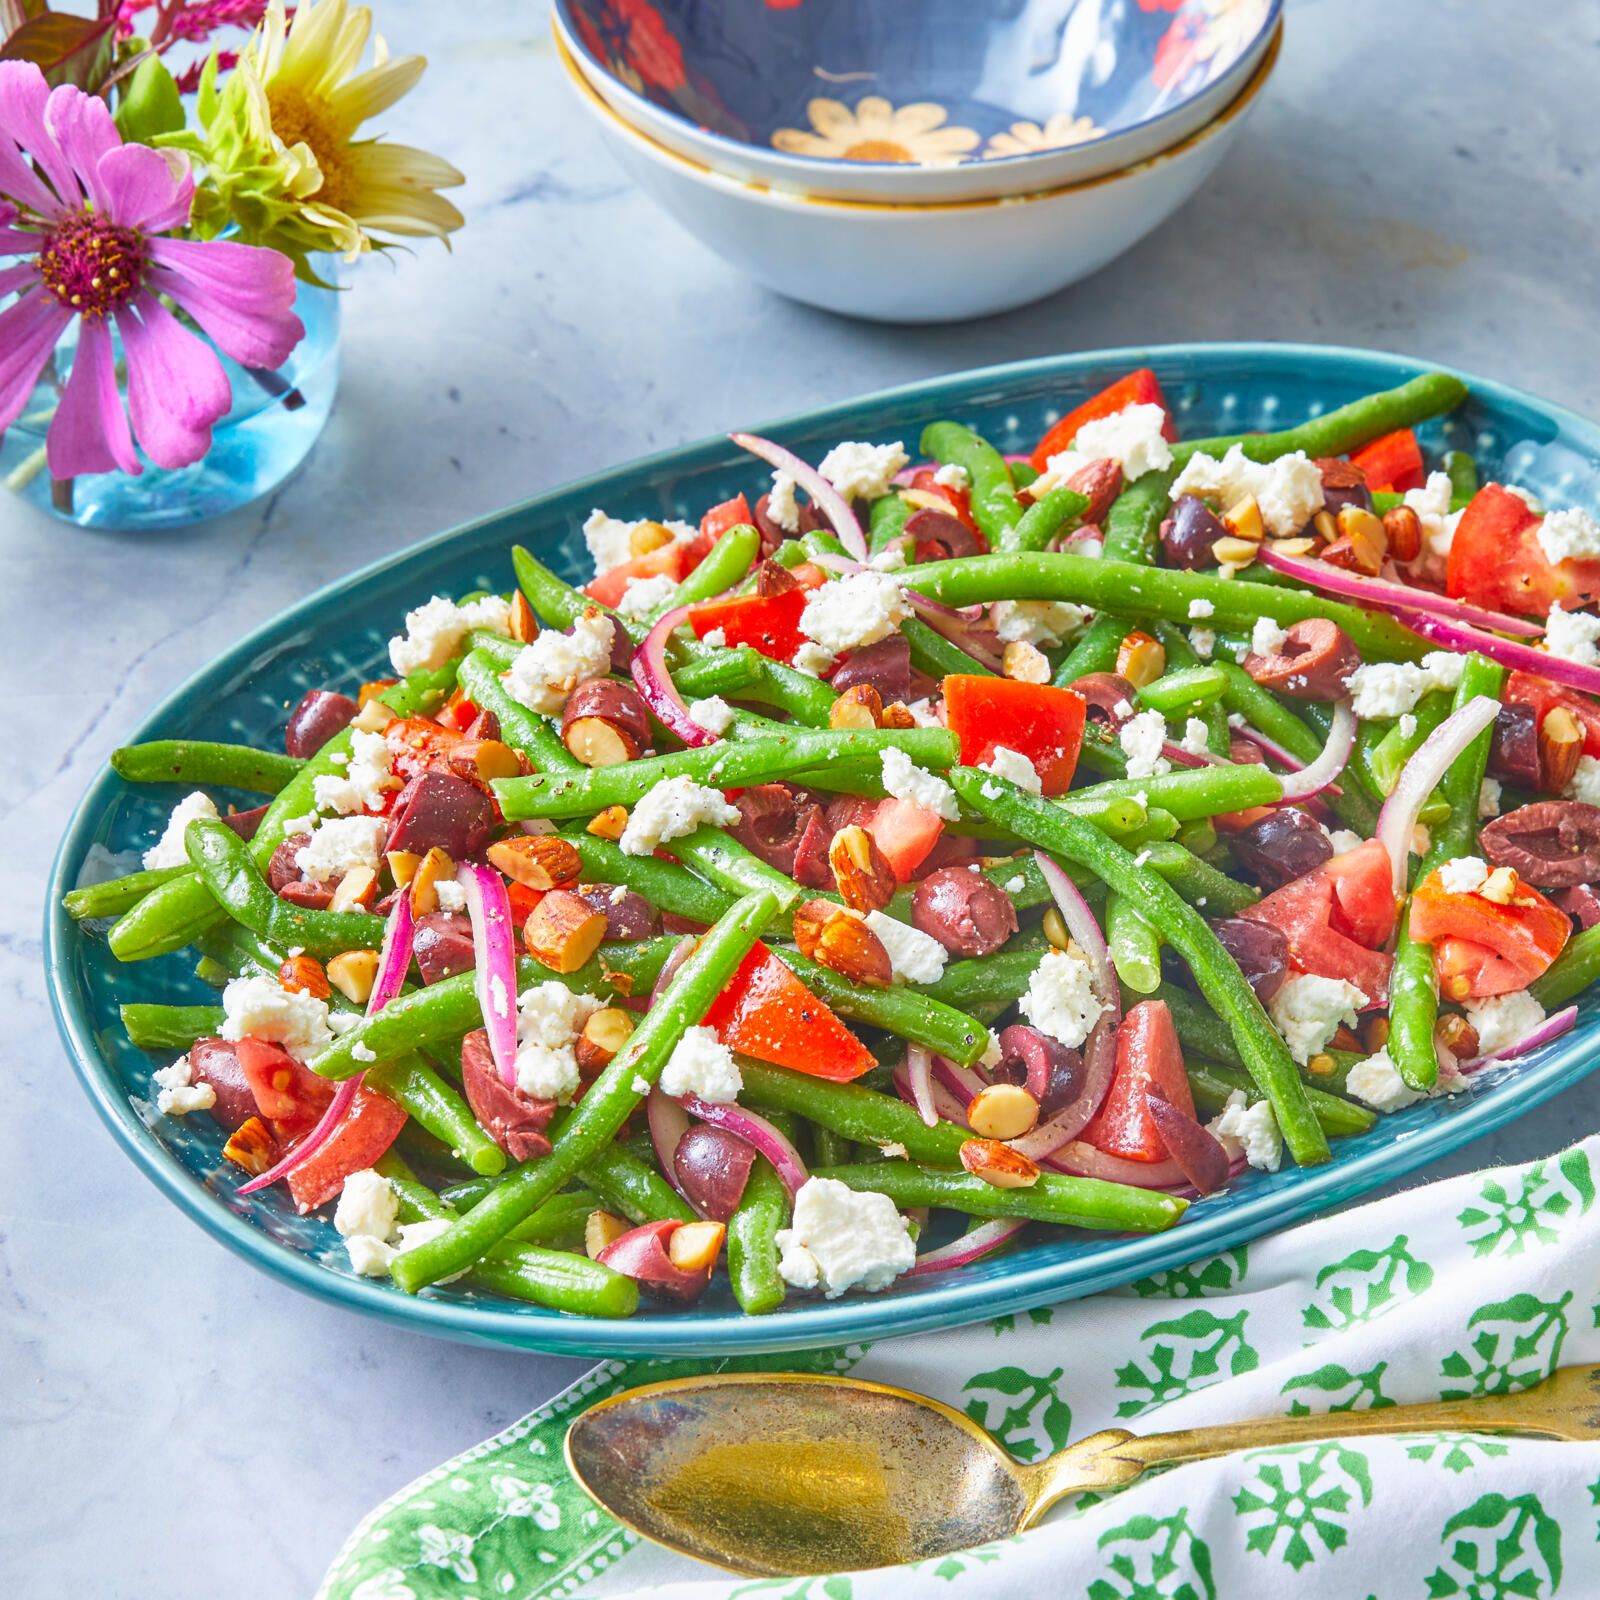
point(1496, 560)
point(1138, 388)
point(1035, 719)
point(1544, 696)
point(289, 1095)
point(1148, 1054)
point(959, 500)
point(767, 1012)
point(1392, 463)
point(365, 1131)
point(769, 623)
point(1363, 894)
point(419, 744)
point(671, 560)
point(1482, 948)
point(905, 832)
point(1303, 911)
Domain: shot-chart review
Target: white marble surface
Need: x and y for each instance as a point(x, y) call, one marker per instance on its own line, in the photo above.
point(1421, 177)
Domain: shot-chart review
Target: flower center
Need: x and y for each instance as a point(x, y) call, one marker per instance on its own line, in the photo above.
point(295, 120)
point(878, 150)
point(92, 266)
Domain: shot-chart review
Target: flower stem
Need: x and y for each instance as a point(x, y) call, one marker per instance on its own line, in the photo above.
point(61, 495)
point(278, 386)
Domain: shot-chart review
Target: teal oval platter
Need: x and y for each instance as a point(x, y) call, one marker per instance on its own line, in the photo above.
point(337, 637)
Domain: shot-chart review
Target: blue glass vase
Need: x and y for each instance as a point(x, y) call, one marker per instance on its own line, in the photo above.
point(267, 432)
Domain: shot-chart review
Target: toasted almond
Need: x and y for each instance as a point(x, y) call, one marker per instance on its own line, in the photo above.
point(373, 688)
point(524, 625)
point(1232, 552)
point(648, 536)
point(1403, 529)
point(1500, 886)
point(1293, 547)
point(861, 871)
point(1368, 541)
point(484, 760)
point(1002, 1111)
point(600, 1229)
point(1141, 659)
point(897, 714)
point(303, 974)
point(604, 1034)
point(1243, 520)
point(433, 867)
point(373, 717)
point(842, 943)
point(403, 866)
point(541, 861)
point(998, 1164)
point(352, 973)
point(1374, 1032)
point(1457, 1035)
point(355, 891)
point(1560, 746)
point(251, 1146)
point(925, 500)
point(860, 706)
point(696, 1245)
point(563, 931)
point(599, 742)
point(1055, 929)
point(1327, 527)
point(608, 824)
point(1350, 556)
point(1345, 1039)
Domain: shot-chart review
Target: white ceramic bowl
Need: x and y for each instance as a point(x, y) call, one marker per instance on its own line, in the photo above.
point(921, 263)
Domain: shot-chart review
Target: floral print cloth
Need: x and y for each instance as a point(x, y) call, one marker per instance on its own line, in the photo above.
point(1477, 1285)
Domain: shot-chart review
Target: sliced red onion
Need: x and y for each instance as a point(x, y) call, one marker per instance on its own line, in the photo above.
point(1390, 596)
point(1270, 747)
point(965, 1085)
point(680, 953)
point(1508, 652)
point(394, 956)
point(919, 1074)
point(1084, 929)
point(494, 944)
point(1331, 762)
point(970, 1247)
point(1181, 757)
point(654, 681)
point(668, 1122)
point(1553, 1026)
point(1085, 1161)
point(834, 506)
point(754, 1130)
point(1099, 1065)
point(1420, 777)
point(946, 1107)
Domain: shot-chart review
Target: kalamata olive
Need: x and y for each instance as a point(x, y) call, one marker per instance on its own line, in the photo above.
point(641, 1254)
point(1109, 698)
point(621, 651)
point(1514, 746)
point(1552, 844)
point(712, 1167)
point(628, 914)
point(442, 944)
point(1283, 845)
point(1260, 949)
point(771, 579)
point(966, 912)
point(1197, 1151)
point(1050, 1071)
point(320, 714)
point(811, 520)
point(1312, 663)
point(772, 820)
point(885, 665)
point(309, 896)
point(1343, 484)
point(245, 823)
point(1189, 533)
point(514, 1120)
point(216, 1061)
point(1100, 482)
point(1581, 902)
point(617, 703)
point(283, 868)
point(440, 809)
point(939, 535)
point(811, 851)
point(486, 725)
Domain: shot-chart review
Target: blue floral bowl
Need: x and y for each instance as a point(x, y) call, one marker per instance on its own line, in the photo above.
point(918, 100)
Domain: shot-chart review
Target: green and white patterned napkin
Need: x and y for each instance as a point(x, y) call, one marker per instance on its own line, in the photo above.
point(1476, 1285)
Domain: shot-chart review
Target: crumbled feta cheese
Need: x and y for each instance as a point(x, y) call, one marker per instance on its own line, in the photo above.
point(644, 596)
point(1267, 638)
point(545, 672)
point(1572, 635)
point(177, 1092)
point(713, 714)
point(782, 506)
point(891, 560)
point(1131, 437)
point(640, 1084)
point(672, 808)
point(1526, 496)
point(257, 1007)
point(906, 781)
point(363, 784)
point(369, 1257)
point(1463, 875)
point(367, 1204)
point(1309, 1010)
point(1378, 1083)
point(1407, 725)
point(701, 1065)
point(1432, 506)
point(1195, 734)
point(840, 1239)
point(1015, 768)
point(1061, 1000)
point(1026, 663)
point(340, 846)
point(894, 1150)
point(1249, 1130)
point(1037, 622)
point(812, 659)
point(550, 1016)
point(1505, 1020)
point(610, 541)
point(1488, 799)
point(168, 850)
point(952, 475)
point(1344, 839)
point(717, 638)
point(1015, 885)
point(862, 471)
point(451, 896)
point(1569, 535)
point(915, 956)
point(1288, 490)
point(413, 1234)
point(434, 630)
point(1391, 688)
point(1204, 641)
point(1123, 709)
point(362, 1052)
point(1199, 610)
point(1141, 738)
point(1585, 783)
point(854, 611)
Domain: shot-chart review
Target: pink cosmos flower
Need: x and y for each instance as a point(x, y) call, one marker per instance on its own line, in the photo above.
point(87, 213)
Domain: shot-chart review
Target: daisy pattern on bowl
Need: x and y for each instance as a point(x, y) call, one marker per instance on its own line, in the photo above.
point(1058, 133)
point(877, 131)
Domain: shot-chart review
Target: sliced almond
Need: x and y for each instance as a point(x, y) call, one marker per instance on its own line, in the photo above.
point(563, 931)
point(355, 891)
point(373, 717)
point(251, 1146)
point(597, 742)
point(433, 867)
point(609, 824)
point(998, 1164)
point(540, 862)
point(1402, 527)
point(860, 706)
point(1500, 886)
point(1243, 520)
point(604, 1034)
point(861, 871)
point(1560, 746)
point(1002, 1111)
point(1233, 552)
point(403, 866)
point(1374, 1034)
point(695, 1246)
point(303, 974)
point(842, 943)
point(1025, 663)
point(1457, 1035)
point(601, 1229)
point(524, 625)
point(897, 714)
point(353, 973)
point(484, 760)
point(1293, 547)
point(1142, 659)
point(1327, 527)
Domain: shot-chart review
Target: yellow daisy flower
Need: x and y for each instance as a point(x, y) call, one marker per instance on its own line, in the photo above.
point(876, 131)
point(1028, 138)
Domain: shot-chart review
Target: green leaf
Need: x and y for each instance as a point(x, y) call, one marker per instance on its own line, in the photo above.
point(67, 49)
point(150, 104)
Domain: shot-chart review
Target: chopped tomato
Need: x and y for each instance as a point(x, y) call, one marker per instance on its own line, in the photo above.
point(1545, 696)
point(959, 500)
point(732, 513)
point(1496, 560)
point(1035, 719)
point(1139, 388)
point(769, 623)
point(289, 1095)
point(418, 744)
point(1148, 1056)
point(1482, 948)
point(457, 713)
point(906, 834)
point(365, 1131)
point(523, 900)
point(808, 575)
point(671, 560)
point(1392, 463)
point(1303, 911)
point(765, 1011)
point(1363, 893)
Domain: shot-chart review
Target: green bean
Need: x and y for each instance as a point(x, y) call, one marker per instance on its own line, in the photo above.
point(1134, 945)
point(1182, 655)
point(888, 522)
point(1571, 972)
point(555, 602)
point(720, 857)
point(720, 672)
point(212, 972)
point(1220, 980)
point(157, 1027)
point(201, 762)
point(862, 1116)
point(752, 1243)
point(418, 1203)
point(112, 896)
point(418, 1145)
point(1000, 977)
point(1152, 592)
point(1023, 473)
point(806, 699)
point(1185, 690)
point(610, 1099)
point(558, 1223)
point(558, 1279)
point(420, 1092)
point(991, 495)
point(1212, 1083)
point(231, 875)
point(1189, 792)
point(239, 950)
point(829, 1149)
point(1400, 742)
point(1413, 1010)
point(1058, 511)
point(723, 764)
point(723, 567)
point(1200, 883)
point(933, 654)
point(1071, 1202)
point(901, 1010)
point(1200, 1029)
point(1463, 473)
point(522, 729)
point(665, 884)
point(630, 1187)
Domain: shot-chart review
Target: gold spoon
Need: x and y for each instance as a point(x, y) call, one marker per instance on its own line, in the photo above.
point(783, 1474)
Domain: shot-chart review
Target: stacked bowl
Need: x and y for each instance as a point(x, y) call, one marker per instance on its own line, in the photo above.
point(919, 160)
